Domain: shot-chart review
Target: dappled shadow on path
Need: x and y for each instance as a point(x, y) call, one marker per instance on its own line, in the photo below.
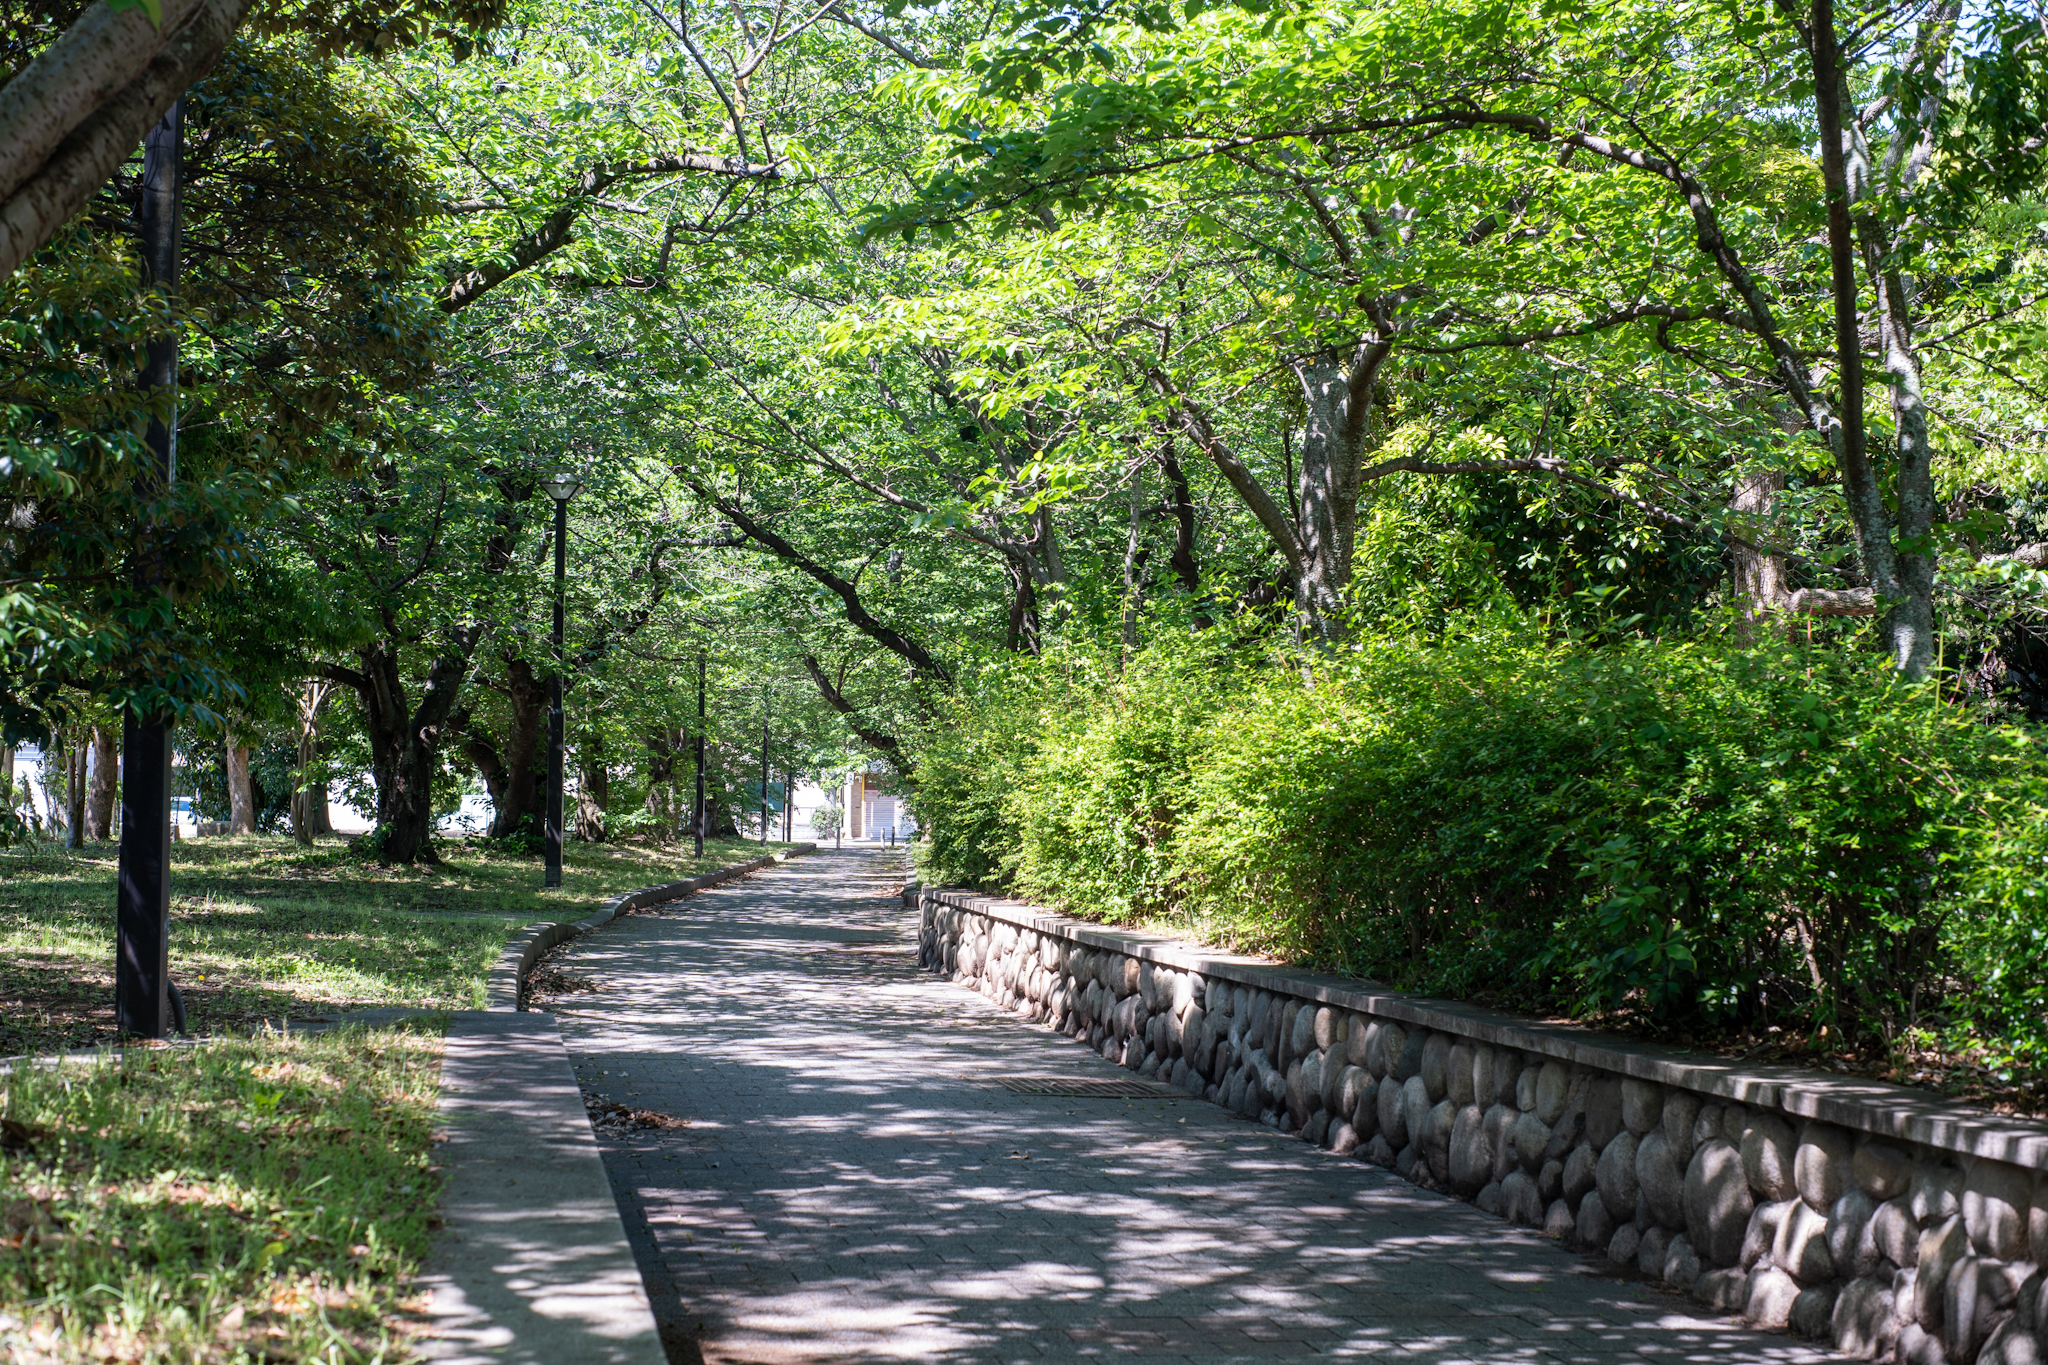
point(855, 1185)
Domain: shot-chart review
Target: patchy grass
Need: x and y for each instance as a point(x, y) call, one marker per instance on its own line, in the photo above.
point(260, 1198)
point(264, 930)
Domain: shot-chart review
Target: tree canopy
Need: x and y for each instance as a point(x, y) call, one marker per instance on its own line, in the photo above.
point(903, 349)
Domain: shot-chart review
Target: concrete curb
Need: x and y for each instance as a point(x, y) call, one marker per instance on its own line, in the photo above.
point(505, 987)
point(1875, 1107)
point(532, 1265)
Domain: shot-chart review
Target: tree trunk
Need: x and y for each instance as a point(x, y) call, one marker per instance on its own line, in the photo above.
point(1759, 575)
point(75, 756)
point(241, 797)
point(1844, 174)
point(1134, 569)
point(661, 767)
point(1185, 568)
point(1021, 633)
point(309, 784)
point(593, 790)
point(1337, 394)
point(405, 742)
point(80, 109)
point(106, 780)
point(511, 765)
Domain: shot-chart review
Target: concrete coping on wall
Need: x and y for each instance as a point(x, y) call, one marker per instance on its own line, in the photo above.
point(1877, 1107)
point(505, 987)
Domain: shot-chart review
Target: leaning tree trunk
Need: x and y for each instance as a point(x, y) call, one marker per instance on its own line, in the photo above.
point(81, 108)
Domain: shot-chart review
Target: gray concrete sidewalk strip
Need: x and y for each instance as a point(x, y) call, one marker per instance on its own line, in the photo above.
point(532, 1266)
point(505, 985)
point(851, 1179)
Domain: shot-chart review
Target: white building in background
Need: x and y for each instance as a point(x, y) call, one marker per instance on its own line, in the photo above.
point(875, 811)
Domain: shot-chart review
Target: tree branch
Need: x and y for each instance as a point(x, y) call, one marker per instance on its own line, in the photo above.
point(554, 233)
point(885, 744)
point(907, 649)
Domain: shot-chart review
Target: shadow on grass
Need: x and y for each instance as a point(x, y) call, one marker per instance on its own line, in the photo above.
point(265, 930)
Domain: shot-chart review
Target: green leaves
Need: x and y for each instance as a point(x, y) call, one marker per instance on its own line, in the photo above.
point(152, 9)
point(1663, 830)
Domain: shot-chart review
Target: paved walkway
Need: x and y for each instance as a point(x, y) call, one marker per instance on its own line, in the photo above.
point(853, 1184)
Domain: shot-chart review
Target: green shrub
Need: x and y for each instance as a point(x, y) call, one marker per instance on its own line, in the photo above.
point(1695, 833)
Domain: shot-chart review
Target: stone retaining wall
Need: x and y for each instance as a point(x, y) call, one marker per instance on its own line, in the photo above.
point(1867, 1215)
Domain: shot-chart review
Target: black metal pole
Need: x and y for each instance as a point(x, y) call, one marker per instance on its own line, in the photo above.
point(142, 911)
point(764, 776)
point(698, 822)
point(554, 815)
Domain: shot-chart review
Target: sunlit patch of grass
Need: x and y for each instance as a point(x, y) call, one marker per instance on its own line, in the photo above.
point(262, 1198)
point(263, 929)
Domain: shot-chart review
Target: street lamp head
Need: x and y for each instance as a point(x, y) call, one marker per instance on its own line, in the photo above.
point(562, 486)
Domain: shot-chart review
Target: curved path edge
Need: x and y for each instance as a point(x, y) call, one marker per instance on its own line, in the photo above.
point(531, 1264)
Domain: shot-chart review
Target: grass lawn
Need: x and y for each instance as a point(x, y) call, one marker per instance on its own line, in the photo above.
point(262, 929)
point(266, 1196)
point(263, 1198)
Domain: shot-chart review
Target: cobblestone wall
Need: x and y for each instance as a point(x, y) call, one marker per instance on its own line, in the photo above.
point(1886, 1247)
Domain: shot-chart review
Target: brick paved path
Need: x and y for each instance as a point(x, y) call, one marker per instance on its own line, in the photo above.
point(854, 1186)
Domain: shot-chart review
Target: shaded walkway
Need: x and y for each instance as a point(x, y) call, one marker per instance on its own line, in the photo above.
point(855, 1185)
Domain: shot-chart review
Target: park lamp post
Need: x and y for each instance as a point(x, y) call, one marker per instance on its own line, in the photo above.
point(561, 487)
point(146, 1004)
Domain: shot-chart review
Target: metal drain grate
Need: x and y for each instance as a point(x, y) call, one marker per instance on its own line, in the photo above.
point(1089, 1090)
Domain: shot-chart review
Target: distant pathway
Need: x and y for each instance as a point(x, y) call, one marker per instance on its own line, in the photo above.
point(854, 1186)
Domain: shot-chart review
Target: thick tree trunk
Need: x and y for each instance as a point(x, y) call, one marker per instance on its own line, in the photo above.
point(1337, 395)
point(241, 794)
point(511, 765)
point(1759, 575)
point(106, 781)
point(405, 742)
point(74, 114)
point(593, 790)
